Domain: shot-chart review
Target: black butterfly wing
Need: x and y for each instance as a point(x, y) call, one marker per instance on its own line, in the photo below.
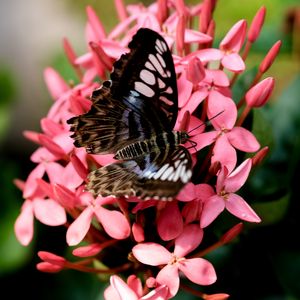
point(155, 175)
point(140, 99)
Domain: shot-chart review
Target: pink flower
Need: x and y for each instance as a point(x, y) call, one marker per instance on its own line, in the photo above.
point(112, 221)
point(225, 197)
point(119, 290)
point(198, 270)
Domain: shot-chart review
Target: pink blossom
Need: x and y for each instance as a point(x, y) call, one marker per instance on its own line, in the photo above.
point(119, 290)
point(112, 221)
point(225, 197)
point(198, 270)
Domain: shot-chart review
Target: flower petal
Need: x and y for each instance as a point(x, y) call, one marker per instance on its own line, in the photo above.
point(224, 153)
point(211, 209)
point(222, 110)
point(151, 254)
point(169, 222)
point(24, 224)
point(169, 276)
point(198, 270)
point(79, 228)
point(233, 62)
point(204, 139)
point(238, 177)
point(49, 212)
point(189, 240)
point(123, 290)
point(242, 139)
point(114, 222)
point(236, 205)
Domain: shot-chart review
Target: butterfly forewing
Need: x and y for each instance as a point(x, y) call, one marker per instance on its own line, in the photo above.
point(140, 99)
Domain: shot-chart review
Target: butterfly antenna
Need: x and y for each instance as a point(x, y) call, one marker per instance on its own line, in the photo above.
point(206, 121)
point(193, 145)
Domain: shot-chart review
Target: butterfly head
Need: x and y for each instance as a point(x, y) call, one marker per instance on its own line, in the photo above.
point(183, 137)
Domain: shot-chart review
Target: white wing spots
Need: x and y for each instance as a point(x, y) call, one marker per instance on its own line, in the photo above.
point(186, 176)
point(149, 66)
point(166, 100)
point(160, 46)
point(158, 49)
point(160, 171)
point(176, 164)
point(169, 90)
point(167, 173)
point(180, 170)
point(161, 84)
point(149, 174)
point(161, 60)
point(147, 77)
point(157, 65)
point(143, 89)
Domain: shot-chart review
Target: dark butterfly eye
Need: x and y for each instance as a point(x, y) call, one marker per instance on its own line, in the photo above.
point(132, 116)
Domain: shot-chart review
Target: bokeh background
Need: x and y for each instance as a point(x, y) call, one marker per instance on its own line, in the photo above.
point(264, 262)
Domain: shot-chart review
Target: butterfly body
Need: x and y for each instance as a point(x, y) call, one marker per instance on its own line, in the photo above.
point(157, 143)
point(132, 116)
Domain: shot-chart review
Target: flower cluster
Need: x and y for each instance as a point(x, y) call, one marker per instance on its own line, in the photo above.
point(159, 240)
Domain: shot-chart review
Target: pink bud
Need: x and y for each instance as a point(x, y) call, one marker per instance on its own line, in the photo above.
point(162, 11)
point(79, 166)
point(259, 94)
point(138, 232)
point(220, 296)
point(55, 83)
point(259, 156)
point(69, 51)
point(195, 70)
point(51, 258)
point(121, 10)
point(234, 39)
point(48, 143)
point(95, 23)
point(49, 268)
point(87, 251)
point(101, 56)
point(180, 31)
point(256, 24)
point(232, 233)
point(205, 16)
point(270, 57)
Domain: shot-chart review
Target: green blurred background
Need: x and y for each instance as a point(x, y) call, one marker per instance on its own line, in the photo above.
point(264, 262)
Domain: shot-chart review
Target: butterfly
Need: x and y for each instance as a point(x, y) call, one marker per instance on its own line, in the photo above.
point(132, 116)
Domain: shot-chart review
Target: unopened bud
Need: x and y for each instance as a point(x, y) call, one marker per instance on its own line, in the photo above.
point(256, 25)
point(259, 94)
point(259, 156)
point(270, 57)
point(232, 233)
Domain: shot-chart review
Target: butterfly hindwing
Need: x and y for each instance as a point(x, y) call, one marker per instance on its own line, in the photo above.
point(140, 99)
point(155, 175)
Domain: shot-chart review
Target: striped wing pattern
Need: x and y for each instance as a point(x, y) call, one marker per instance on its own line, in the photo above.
point(148, 177)
point(138, 103)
